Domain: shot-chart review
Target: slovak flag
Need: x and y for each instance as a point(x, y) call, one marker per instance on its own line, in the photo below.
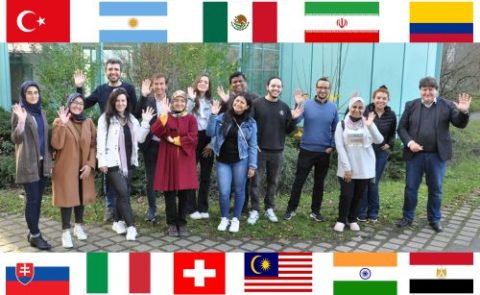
point(25, 278)
point(199, 273)
point(38, 21)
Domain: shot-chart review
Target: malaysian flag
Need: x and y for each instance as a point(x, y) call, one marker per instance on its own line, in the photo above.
point(278, 272)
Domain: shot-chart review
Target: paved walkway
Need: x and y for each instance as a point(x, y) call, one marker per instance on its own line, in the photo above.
point(461, 223)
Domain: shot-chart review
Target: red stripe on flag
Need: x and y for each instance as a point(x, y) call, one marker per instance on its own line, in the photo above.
point(334, 36)
point(441, 38)
point(279, 284)
point(278, 278)
point(441, 258)
point(293, 254)
point(295, 259)
point(264, 22)
point(38, 287)
point(279, 290)
point(291, 272)
point(139, 272)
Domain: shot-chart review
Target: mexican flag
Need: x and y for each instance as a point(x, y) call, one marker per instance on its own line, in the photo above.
point(342, 21)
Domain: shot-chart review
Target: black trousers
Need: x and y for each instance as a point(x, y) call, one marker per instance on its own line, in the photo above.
point(150, 160)
point(199, 201)
point(66, 213)
point(176, 214)
point(121, 185)
point(350, 195)
point(306, 161)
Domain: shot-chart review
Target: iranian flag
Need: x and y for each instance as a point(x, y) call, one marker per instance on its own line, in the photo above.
point(342, 21)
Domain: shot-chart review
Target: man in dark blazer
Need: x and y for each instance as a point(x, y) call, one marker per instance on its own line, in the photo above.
point(154, 94)
point(424, 131)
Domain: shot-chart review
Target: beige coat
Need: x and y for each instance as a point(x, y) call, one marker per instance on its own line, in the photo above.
point(68, 147)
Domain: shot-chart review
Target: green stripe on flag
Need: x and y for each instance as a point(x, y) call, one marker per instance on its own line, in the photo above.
point(352, 8)
point(97, 272)
point(365, 287)
point(215, 22)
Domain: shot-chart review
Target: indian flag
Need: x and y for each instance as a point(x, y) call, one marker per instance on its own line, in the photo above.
point(138, 273)
point(240, 21)
point(365, 273)
point(342, 21)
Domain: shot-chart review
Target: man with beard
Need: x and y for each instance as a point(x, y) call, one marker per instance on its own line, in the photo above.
point(113, 71)
point(318, 141)
point(238, 84)
point(274, 121)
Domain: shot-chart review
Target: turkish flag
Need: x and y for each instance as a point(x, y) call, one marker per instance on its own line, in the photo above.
point(199, 273)
point(38, 20)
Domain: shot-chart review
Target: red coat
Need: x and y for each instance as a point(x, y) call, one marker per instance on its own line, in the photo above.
point(176, 162)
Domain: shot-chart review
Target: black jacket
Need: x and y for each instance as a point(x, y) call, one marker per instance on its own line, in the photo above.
point(386, 124)
point(446, 113)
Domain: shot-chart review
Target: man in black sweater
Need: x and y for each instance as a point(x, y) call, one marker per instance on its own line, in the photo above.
point(424, 131)
point(113, 71)
point(274, 121)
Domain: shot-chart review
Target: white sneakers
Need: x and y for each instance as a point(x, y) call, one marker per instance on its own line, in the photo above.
point(234, 225)
point(354, 226)
point(339, 227)
point(223, 224)
point(131, 233)
point(253, 217)
point(271, 215)
point(67, 239)
point(119, 227)
point(79, 232)
point(199, 215)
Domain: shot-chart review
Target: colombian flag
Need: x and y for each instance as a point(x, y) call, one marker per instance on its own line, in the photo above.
point(441, 21)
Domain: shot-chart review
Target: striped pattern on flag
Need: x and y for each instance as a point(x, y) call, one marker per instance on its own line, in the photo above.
point(97, 272)
point(139, 272)
point(441, 21)
point(295, 271)
point(328, 21)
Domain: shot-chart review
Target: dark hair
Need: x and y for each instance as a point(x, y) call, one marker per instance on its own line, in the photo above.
point(235, 75)
point(273, 77)
point(324, 79)
point(110, 110)
point(230, 113)
point(383, 89)
point(208, 93)
point(113, 61)
point(160, 76)
point(428, 82)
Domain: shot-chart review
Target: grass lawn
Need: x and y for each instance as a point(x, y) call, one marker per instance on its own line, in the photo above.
point(462, 178)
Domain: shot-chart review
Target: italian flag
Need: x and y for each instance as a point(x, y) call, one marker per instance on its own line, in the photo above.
point(365, 273)
point(240, 21)
point(342, 21)
point(138, 273)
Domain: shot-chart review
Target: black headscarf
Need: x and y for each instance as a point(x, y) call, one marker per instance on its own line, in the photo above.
point(76, 118)
point(34, 110)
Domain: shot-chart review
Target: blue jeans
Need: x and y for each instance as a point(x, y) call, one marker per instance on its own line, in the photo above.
point(225, 173)
point(33, 204)
point(370, 201)
point(434, 169)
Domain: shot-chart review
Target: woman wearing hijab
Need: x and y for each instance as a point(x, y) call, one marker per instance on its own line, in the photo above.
point(356, 161)
point(119, 133)
point(33, 159)
point(176, 174)
point(73, 177)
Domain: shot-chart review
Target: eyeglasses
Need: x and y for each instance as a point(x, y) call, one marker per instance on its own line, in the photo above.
point(78, 103)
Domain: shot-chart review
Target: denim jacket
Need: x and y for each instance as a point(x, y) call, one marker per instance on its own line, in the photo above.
point(247, 147)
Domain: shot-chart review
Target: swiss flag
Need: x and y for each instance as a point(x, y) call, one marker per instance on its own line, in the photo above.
point(38, 20)
point(199, 273)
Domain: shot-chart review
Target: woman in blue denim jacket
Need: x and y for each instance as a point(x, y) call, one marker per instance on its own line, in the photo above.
point(235, 146)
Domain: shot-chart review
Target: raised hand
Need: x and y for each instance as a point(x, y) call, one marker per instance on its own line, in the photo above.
point(20, 112)
point(164, 107)
point(148, 114)
point(191, 92)
point(225, 96)
point(79, 78)
point(215, 107)
point(463, 103)
point(354, 94)
point(299, 97)
point(63, 115)
point(297, 112)
point(371, 117)
point(146, 87)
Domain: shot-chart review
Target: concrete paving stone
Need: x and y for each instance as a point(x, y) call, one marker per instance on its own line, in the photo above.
point(197, 247)
point(464, 238)
point(141, 248)
point(408, 249)
point(283, 241)
point(118, 238)
point(367, 247)
point(115, 248)
point(157, 235)
point(441, 238)
point(249, 246)
point(169, 240)
point(438, 244)
point(316, 249)
point(383, 232)
point(301, 245)
point(397, 241)
point(351, 244)
point(469, 233)
point(91, 248)
point(455, 222)
point(357, 239)
point(194, 239)
point(258, 242)
point(265, 249)
point(292, 249)
point(469, 229)
point(144, 238)
point(276, 247)
point(223, 248)
point(169, 248)
point(382, 249)
point(374, 243)
point(325, 245)
point(391, 246)
point(415, 245)
point(209, 243)
point(380, 237)
point(433, 249)
point(425, 235)
point(156, 243)
point(343, 249)
point(419, 240)
point(183, 243)
point(234, 242)
point(403, 237)
point(461, 243)
point(103, 243)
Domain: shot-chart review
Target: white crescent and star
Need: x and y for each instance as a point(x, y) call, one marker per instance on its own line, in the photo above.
point(21, 26)
point(252, 264)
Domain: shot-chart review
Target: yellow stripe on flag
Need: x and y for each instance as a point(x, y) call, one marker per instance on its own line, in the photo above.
point(441, 12)
point(364, 259)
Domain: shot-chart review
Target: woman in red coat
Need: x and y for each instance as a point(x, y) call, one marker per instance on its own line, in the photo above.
point(176, 173)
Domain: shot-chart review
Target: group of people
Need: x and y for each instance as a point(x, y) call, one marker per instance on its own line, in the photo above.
point(242, 132)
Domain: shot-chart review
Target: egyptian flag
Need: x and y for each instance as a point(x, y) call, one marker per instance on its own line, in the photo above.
point(441, 273)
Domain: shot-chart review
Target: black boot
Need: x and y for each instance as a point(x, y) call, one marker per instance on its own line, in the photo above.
point(38, 242)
